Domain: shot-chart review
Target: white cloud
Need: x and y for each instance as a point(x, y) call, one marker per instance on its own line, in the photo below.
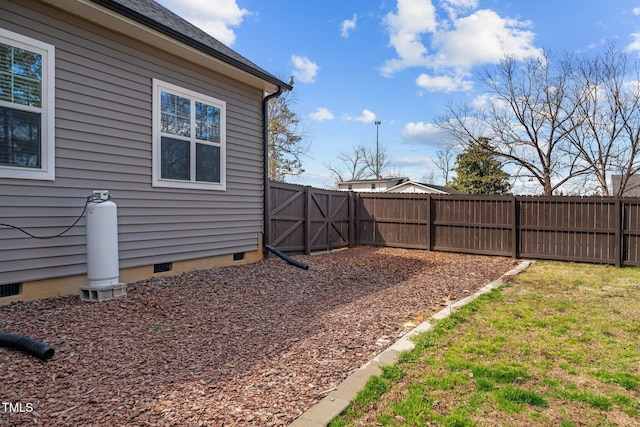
point(483, 38)
point(449, 48)
point(636, 10)
point(321, 114)
point(348, 25)
point(366, 117)
point(215, 18)
point(447, 84)
point(304, 70)
point(487, 100)
point(405, 28)
point(634, 46)
point(463, 4)
point(411, 161)
point(422, 133)
point(455, 7)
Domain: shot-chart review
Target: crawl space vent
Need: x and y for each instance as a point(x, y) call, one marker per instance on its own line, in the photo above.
point(10, 289)
point(162, 267)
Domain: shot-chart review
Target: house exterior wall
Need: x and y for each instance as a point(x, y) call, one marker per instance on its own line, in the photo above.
point(103, 96)
point(632, 189)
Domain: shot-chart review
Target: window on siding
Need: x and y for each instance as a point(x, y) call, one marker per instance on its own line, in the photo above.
point(189, 141)
point(27, 140)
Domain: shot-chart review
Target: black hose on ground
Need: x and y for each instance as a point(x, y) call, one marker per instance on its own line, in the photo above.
point(26, 344)
point(287, 258)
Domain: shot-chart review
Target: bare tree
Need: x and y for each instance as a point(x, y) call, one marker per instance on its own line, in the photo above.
point(356, 166)
point(378, 164)
point(445, 158)
point(528, 119)
point(361, 163)
point(429, 176)
point(606, 128)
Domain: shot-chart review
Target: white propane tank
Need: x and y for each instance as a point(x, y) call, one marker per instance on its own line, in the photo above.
point(102, 240)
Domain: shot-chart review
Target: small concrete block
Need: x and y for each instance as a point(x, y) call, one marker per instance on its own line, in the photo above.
point(350, 387)
point(321, 413)
point(95, 294)
point(403, 344)
point(120, 290)
point(387, 357)
point(99, 294)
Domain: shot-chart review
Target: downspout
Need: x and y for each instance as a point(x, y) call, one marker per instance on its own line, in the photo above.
point(265, 168)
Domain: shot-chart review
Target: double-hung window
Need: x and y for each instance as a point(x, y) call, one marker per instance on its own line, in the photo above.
point(189, 138)
point(27, 147)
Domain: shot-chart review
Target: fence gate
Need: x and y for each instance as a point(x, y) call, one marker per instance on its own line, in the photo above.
point(287, 217)
point(305, 219)
point(328, 214)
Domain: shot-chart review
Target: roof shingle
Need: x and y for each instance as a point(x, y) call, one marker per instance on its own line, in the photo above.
point(156, 16)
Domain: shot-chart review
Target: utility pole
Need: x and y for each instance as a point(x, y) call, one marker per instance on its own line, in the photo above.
point(377, 123)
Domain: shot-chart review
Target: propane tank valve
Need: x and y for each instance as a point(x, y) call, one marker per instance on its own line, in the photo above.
point(100, 195)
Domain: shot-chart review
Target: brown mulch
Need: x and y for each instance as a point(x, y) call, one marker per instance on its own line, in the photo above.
point(245, 345)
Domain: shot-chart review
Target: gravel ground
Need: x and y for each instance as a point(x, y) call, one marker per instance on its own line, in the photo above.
point(246, 345)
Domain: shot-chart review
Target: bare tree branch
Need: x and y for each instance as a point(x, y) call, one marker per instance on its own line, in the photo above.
point(528, 119)
point(361, 164)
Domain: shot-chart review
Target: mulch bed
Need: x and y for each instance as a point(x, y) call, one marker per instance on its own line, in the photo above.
point(245, 345)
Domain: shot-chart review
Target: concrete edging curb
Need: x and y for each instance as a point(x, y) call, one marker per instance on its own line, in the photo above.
point(332, 405)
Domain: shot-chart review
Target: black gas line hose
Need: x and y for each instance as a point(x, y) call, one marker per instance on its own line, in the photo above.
point(28, 345)
point(57, 235)
point(21, 342)
point(287, 258)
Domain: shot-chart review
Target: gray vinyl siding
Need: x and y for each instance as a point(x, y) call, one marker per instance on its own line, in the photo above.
point(103, 141)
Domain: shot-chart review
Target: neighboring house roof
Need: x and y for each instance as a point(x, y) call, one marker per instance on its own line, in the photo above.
point(429, 188)
point(632, 189)
point(164, 29)
point(394, 185)
point(395, 181)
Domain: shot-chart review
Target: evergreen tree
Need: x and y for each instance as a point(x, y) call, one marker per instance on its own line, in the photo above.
point(478, 171)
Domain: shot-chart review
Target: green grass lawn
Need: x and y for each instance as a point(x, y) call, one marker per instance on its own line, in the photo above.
point(558, 346)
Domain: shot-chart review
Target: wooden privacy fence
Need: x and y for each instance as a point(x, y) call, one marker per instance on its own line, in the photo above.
point(598, 230)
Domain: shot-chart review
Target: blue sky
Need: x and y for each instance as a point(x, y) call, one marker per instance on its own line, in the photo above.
point(397, 62)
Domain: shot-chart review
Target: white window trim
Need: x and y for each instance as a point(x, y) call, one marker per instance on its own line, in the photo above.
point(47, 170)
point(157, 180)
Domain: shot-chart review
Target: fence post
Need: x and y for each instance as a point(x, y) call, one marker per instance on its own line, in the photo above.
point(307, 220)
point(619, 224)
point(358, 214)
point(429, 223)
point(351, 224)
point(514, 228)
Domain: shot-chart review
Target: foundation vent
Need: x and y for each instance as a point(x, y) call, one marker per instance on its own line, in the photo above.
point(162, 267)
point(10, 289)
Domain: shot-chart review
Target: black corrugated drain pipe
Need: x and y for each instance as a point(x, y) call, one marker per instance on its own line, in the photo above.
point(26, 344)
point(287, 258)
